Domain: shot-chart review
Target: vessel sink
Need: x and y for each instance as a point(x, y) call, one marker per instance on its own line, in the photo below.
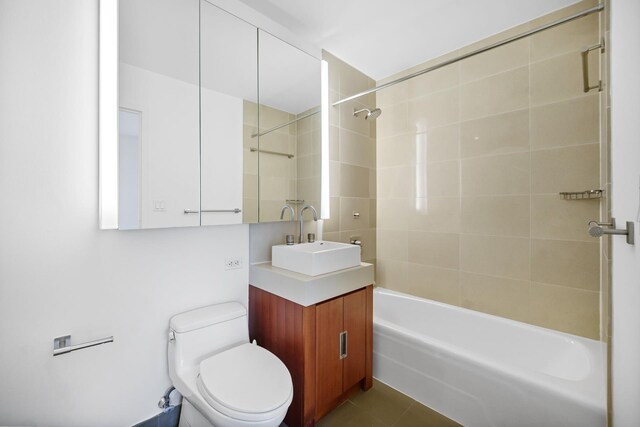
point(315, 258)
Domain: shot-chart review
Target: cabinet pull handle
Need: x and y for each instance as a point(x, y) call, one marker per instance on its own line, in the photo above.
point(343, 345)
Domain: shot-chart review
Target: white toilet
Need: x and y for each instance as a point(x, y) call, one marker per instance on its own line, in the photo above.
point(225, 380)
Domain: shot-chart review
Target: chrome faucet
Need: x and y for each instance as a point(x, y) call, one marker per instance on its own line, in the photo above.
point(301, 220)
point(292, 213)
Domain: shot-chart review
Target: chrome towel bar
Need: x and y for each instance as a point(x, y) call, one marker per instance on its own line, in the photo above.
point(585, 67)
point(61, 345)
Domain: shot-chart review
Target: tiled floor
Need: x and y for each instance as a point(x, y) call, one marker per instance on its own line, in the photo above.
point(383, 406)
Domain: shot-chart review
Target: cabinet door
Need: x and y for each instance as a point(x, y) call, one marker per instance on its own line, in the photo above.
point(329, 325)
point(355, 306)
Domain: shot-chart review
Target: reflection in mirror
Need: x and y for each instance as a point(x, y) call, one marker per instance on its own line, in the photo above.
point(229, 113)
point(159, 114)
point(289, 138)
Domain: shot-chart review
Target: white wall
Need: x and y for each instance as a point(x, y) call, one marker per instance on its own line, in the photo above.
point(58, 273)
point(625, 177)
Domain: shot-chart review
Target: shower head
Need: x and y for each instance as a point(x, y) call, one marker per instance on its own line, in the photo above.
point(371, 114)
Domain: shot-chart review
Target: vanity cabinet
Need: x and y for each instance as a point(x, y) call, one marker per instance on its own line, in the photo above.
point(327, 347)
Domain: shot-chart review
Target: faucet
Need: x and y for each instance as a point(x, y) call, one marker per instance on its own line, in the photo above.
point(292, 214)
point(315, 218)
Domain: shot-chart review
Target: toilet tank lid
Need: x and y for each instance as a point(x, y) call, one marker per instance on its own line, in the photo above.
point(206, 316)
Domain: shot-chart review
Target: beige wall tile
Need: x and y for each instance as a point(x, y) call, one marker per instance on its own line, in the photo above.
point(396, 182)
point(393, 120)
point(495, 256)
point(392, 214)
point(394, 151)
point(494, 175)
point(443, 179)
point(566, 263)
point(438, 284)
point(435, 249)
point(565, 169)
point(352, 81)
point(559, 78)
point(571, 122)
point(433, 110)
point(500, 134)
point(372, 213)
point(250, 186)
point(495, 61)
point(496, 94)
point(495, 295)
point(356, 149)
point(554, 218)
point(572, 36)
point(443, 144)
point(434, 81)
point(249, 210)
point(496, 215)
point(393, 95)
point(565, 309)
point(393, 245)
point(392, 274)
point(349, 205)
point(354, 181)
point(435, 214)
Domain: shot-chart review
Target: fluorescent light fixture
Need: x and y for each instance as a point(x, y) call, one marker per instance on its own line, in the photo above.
point(325, 208)
point(108, 115)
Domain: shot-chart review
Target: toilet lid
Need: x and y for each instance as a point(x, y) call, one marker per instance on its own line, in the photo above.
point(246, 379)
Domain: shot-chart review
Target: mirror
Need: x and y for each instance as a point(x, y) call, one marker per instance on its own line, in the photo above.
point(159, 136)
point(289, 140)
point(229, 94)
point(197, 143)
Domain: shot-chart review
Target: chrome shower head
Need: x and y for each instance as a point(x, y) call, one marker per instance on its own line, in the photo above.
point(371, 114)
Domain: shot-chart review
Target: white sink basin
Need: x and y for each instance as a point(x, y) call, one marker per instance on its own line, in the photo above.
point(315, 258)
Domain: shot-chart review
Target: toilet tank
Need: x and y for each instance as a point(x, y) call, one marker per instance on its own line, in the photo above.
point(198, 334)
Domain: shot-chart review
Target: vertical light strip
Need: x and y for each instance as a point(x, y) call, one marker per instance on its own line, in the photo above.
point(325, 209)
point(108, 114)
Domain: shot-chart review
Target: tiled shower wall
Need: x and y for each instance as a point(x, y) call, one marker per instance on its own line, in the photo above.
point(470, 161)
point(352, 155)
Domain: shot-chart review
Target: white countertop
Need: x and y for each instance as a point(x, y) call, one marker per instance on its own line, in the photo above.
point(308, 290)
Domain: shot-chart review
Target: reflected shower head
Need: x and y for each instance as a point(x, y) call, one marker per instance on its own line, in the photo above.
point(371, 114)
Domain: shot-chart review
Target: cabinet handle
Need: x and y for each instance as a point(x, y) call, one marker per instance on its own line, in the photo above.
point(343, 345)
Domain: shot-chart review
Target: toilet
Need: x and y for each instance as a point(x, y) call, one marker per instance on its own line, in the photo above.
point(225, 380)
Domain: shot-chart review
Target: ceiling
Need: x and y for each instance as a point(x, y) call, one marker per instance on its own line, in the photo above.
point(382, 37)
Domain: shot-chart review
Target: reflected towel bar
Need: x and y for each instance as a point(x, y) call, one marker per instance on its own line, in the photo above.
point(253, 150)
point(61, 344)
point(285, 124)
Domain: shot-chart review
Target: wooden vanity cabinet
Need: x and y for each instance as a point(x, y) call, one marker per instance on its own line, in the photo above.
point(327, 347)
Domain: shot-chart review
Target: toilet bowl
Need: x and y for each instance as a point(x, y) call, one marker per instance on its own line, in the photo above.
point(225, 380)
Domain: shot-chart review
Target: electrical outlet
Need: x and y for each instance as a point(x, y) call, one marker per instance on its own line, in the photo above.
point(232, 263)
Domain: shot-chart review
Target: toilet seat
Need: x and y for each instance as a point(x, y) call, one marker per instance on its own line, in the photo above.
point(246, 382)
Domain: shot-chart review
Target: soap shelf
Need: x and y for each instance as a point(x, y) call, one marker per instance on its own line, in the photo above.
point(581, 195)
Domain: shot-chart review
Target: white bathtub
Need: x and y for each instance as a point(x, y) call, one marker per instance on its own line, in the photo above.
point(483, 370)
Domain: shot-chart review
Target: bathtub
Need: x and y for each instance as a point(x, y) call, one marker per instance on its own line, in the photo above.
point(483, 370)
